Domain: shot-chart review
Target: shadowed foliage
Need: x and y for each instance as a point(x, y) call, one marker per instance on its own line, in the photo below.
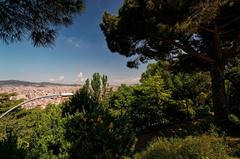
point(37, 21)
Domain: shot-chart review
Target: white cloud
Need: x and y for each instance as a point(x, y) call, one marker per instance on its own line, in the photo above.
point(52, 80)
point(60, 78)
point(80, 78)
point(80, 75)
point(76, 42)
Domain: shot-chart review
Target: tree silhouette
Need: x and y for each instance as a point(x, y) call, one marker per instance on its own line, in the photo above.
point(37, 21)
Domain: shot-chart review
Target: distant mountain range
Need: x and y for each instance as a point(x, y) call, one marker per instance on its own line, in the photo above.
point(27, 83)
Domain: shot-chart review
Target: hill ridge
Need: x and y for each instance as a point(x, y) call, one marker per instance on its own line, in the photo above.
point(28, 83)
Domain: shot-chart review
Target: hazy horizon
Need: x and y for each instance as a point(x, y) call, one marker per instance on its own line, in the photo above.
point(117, 83)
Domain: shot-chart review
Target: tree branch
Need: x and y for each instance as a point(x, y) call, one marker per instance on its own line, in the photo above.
point(188, 50)
point(227, 24)
point(208, 29)
point(234, 50)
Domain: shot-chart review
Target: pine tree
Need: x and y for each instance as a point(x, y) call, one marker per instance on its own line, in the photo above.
point(197, 34)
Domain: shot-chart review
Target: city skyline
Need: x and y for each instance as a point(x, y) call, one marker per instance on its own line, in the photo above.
point(78, 52)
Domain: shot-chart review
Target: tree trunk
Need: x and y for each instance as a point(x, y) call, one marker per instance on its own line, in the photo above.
point(219, 98)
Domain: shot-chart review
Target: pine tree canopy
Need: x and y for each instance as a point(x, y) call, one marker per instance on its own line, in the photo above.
point(36, 20)
point(200, 32)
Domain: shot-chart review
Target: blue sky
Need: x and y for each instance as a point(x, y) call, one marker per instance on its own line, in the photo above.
point(79, 51)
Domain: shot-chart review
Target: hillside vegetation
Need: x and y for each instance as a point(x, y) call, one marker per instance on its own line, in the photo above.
point(168, 114)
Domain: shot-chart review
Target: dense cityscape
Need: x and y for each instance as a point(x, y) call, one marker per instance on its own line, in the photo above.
point(30, 92)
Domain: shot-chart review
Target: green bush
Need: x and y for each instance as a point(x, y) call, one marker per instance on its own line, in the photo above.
point(9, 148)
point(203, 111)
point(180, 110)
point(99, 135)
point(233, 119)
point(233, 125)
point(188, 148)
point(144, 103)
point(47, 139)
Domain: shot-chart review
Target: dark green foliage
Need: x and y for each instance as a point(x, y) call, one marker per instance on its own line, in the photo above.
point(163, 98)
point(81, 101)
point(89, 96)
point(188, 148)
point(47, 139)
point(83, 128)
point(97, 134)
point(196, 34)
point(39, 132)
point(232, 126)
point(180, 110)
point(104, 86)
point(190, 94)
point(164, 29)
point(147, 110)
point(232, 75)
point(144, 103)
point(234, 120)
point(120, 101)
point(204, 111)
point(6, 103)
point(36, 20)
point(91, 130)
point(20, 121)
point(9, 148)
point(90, 125)
point(232, 83)
point(183, 85)
point(96, 86)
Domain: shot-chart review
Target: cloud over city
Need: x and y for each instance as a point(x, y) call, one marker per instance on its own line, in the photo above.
point(58, 79)
point(80, 78)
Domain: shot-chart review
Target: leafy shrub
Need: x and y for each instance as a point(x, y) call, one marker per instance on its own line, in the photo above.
point(234, 148)
point(9, 148)
point(47, 139)
point(99, 135)
point(188, 148)
point(120, 101)
point(203, 111)
point(193, 87)
point(144, 103)
point(180, 110)
point(147, 109)
point(233, 119)
point(233, 125)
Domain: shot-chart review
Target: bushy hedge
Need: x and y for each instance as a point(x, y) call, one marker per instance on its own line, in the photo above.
point(188, 148)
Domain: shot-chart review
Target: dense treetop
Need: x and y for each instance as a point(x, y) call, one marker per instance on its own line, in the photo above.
point(174, 28)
